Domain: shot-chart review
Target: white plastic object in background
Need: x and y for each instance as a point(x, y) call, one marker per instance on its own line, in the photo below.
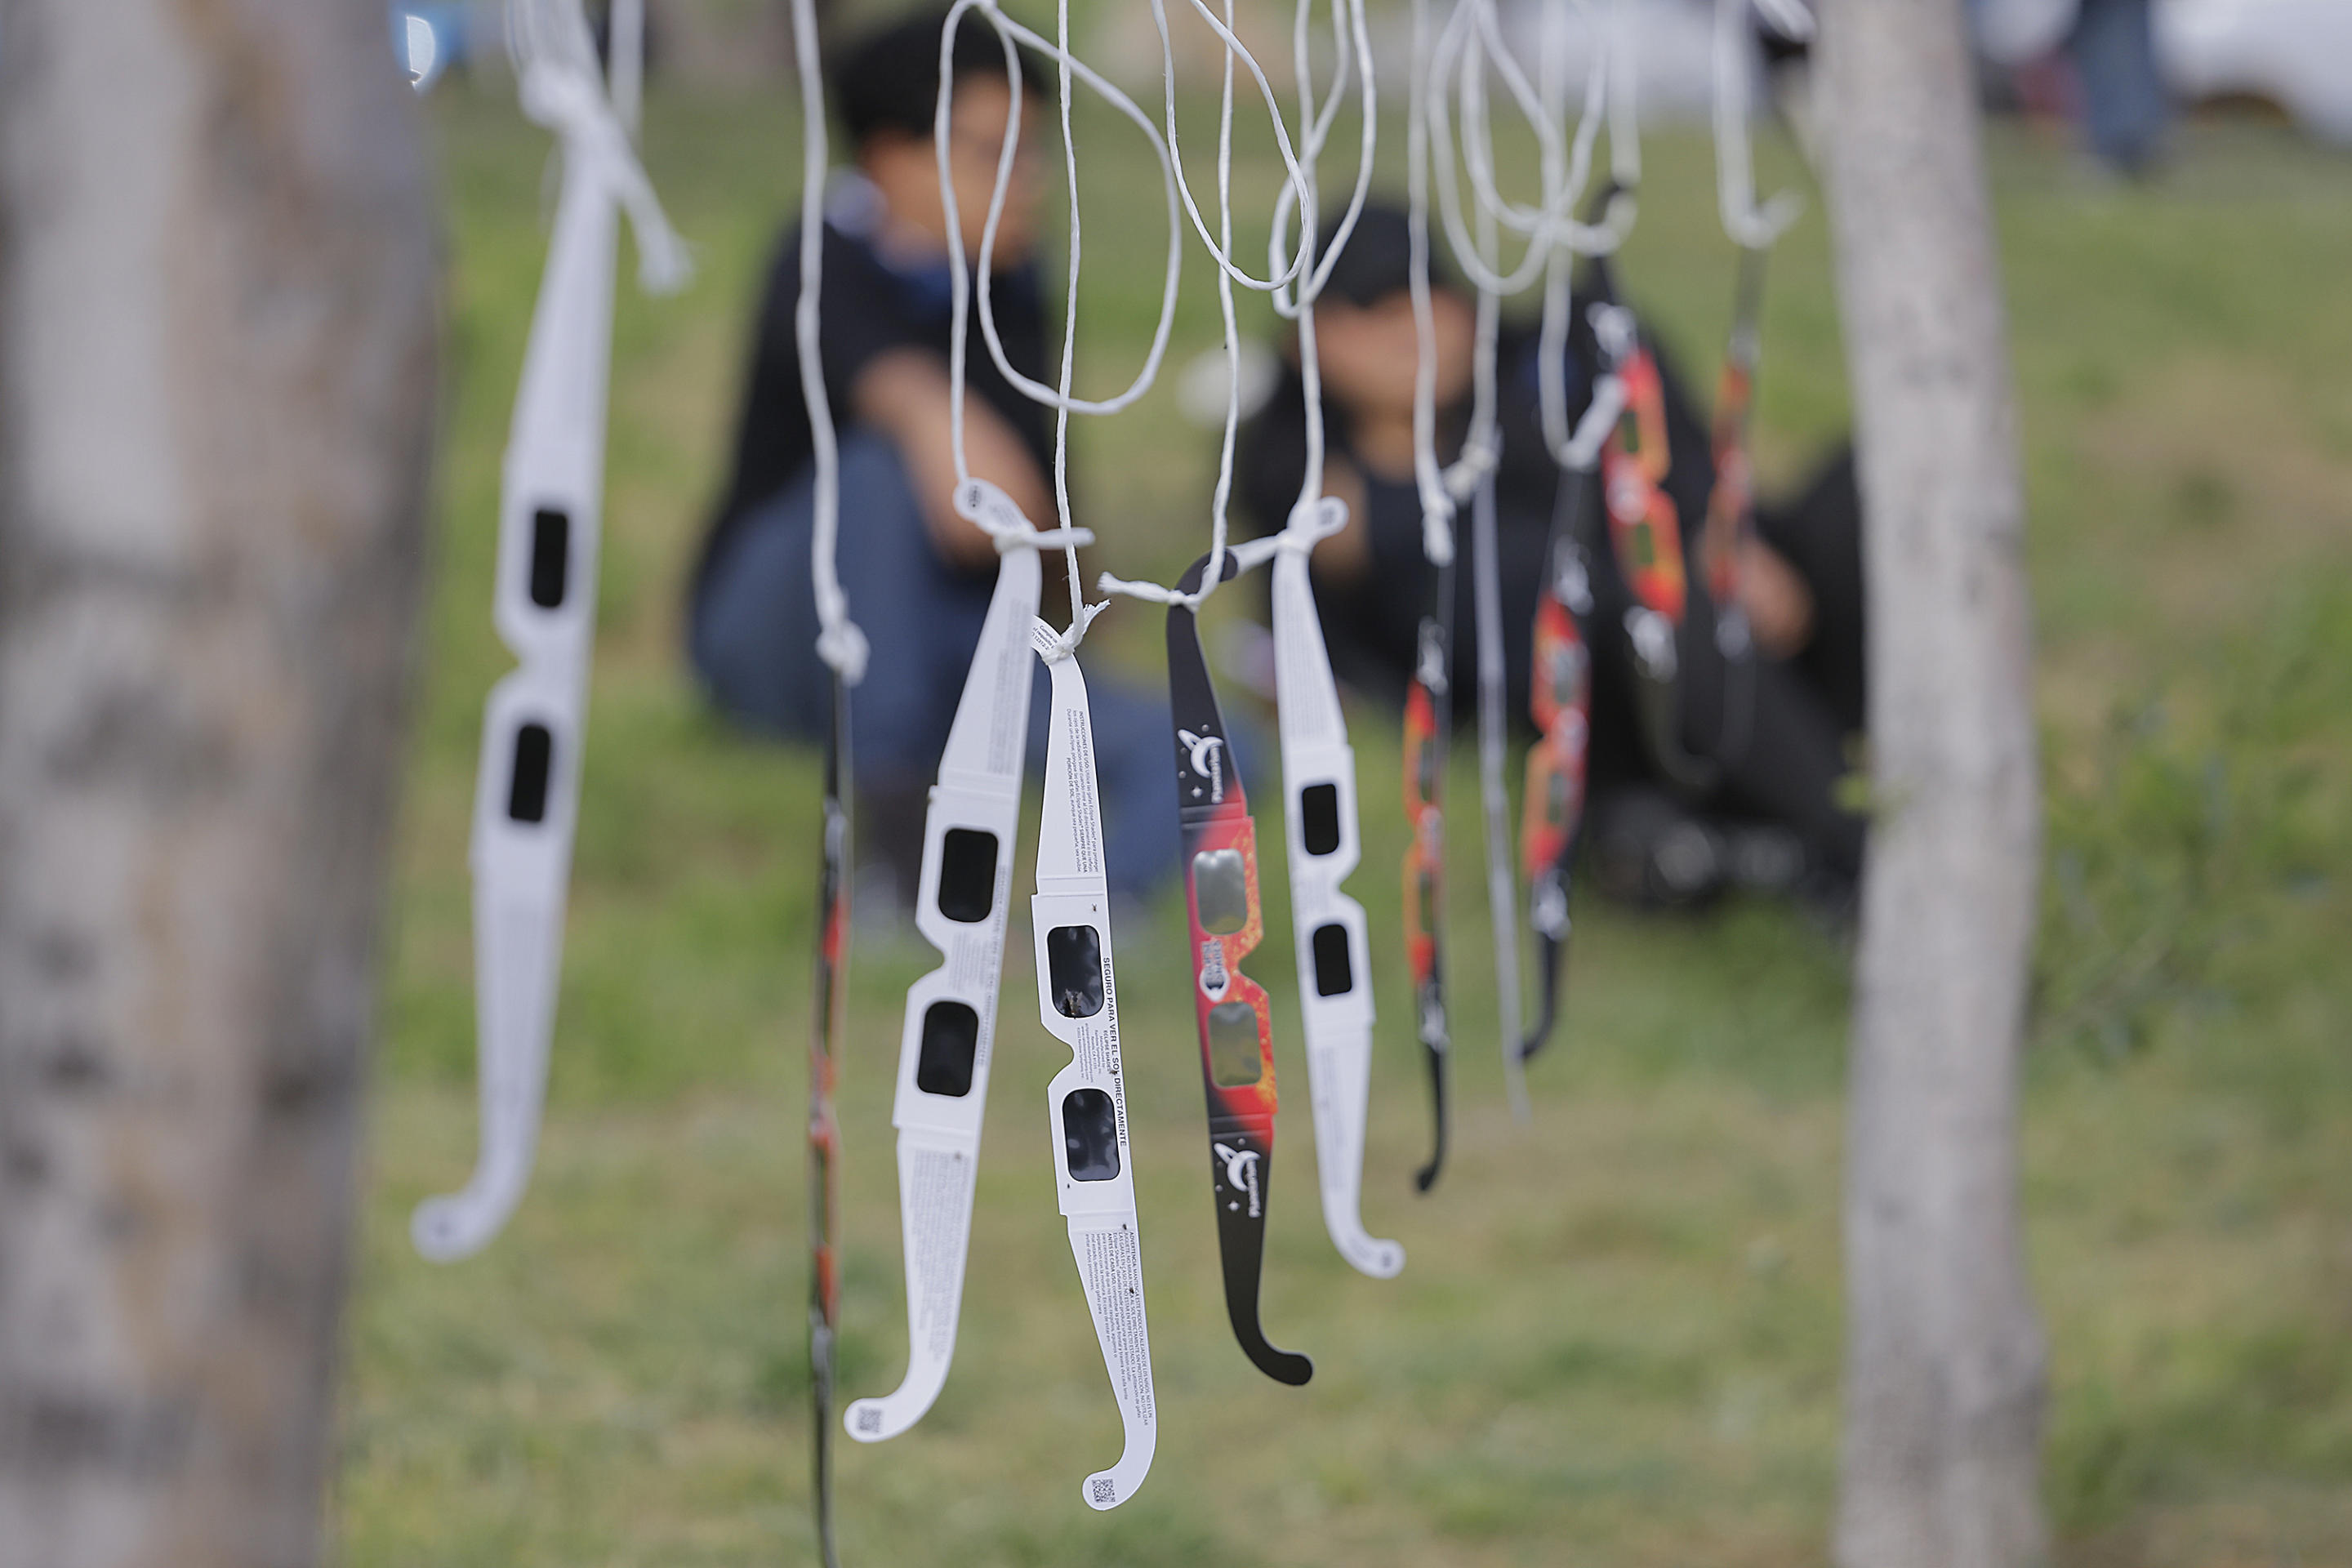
point(2296, 53)
point(979, 791)
point(2014, 32)
point(420, 49)
point(1072, 900)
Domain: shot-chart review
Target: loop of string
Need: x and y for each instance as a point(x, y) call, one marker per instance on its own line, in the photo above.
point(1069, 70)
point(1351, 42)
point(1295, 284)
point(1469, 42)
point(1346, 40)
point(1751, 227)
point(1221, 249)
point(560, 85)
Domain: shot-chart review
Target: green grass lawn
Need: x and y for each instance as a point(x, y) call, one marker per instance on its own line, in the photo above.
point(1617, 1339)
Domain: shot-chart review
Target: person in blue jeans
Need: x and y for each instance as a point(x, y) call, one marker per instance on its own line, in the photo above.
point(917, 575)
point(2126, 106)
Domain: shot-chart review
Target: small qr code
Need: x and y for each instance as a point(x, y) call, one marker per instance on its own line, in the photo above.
point(1106, 1490)
point(869, 1420)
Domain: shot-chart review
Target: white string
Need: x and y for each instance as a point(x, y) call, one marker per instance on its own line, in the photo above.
point(1464, 49)
point(1436, 505)
point(561, 88)
point(1310, 520)
point(1221, 249)
point(978, 500)
point(838, 642)
point(1349, 42)
point(1219, 526)
point(1300, 306)
point(1014, 33)
point(626, 79)
point(1080, 617)
point(1749, 225)
point(1579, 451)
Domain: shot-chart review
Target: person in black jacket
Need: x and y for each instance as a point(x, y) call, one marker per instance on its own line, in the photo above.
point(1751, 794)
point(917, 575)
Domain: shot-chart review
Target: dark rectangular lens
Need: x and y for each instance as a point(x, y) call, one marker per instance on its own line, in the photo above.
point(950, 1040)
point(551, 556)
point(534, 760)
point(1334, 974)
point(1236, 1054)
point(1090, 1134)
point(1074, 967)
point(967, 875)
point(1220, 891)
point(1318, 817)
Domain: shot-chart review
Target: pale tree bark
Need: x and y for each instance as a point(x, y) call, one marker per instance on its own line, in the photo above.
point(1945, 1357)
point(217, 274)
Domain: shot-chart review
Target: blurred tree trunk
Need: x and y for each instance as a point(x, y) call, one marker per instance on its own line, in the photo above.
point(1945, 1357)
point(218, 273)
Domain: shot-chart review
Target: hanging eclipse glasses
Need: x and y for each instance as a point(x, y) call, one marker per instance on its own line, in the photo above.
point(1335, 983)
point(1646, 533)
point(527, 796)
point(1078, 1001)
point(1236, 1018)
point(1560, 702)
point(1428, 729)
point(950, 1031)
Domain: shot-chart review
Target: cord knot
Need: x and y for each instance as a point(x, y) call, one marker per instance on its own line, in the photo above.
point(844, 649)
point(1054, 647)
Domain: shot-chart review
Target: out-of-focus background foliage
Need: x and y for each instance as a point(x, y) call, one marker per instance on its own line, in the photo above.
point(1617, 1339)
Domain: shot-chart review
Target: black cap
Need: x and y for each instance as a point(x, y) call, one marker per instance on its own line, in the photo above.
point(1377, 260)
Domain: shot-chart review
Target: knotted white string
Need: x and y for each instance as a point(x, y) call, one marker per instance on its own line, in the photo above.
point(1297, 194)
point(1749, 225)
point(1070, 68)
point(561, 88)
point(1219, 499)
point(1351, 42)
point(1469, 42)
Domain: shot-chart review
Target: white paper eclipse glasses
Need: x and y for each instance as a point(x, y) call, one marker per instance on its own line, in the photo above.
point(527, 795)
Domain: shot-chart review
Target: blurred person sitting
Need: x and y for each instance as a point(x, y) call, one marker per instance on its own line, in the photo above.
point(1768, 814)
point(917, 575)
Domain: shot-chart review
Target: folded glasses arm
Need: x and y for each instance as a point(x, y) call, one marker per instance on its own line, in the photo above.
point(1319, 775)
point(527, 793)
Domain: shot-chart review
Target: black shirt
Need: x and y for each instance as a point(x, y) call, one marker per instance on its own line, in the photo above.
point(869, 307)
